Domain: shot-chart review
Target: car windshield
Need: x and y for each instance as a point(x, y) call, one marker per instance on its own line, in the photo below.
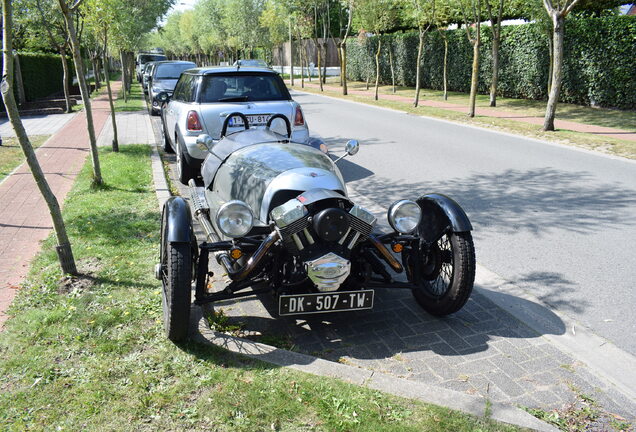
point(145, 58)
point(171, 70)
point(242, 88)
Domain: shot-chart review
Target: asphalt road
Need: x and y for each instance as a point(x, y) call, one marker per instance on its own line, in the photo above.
point(557, 221)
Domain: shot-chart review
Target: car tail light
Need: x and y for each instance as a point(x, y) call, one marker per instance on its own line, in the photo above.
point(299, 119)
point(193, 123)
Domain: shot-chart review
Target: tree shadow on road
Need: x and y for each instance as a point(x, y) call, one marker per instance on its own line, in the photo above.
point(536, 201)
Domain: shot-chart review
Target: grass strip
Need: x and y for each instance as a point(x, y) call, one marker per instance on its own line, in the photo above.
point(136, 99)
point(11, 155)
point(519, 108)
point(88, 353)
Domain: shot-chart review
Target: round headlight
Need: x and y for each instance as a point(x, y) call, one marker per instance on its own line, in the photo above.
point(404, 216)
point(235, 219)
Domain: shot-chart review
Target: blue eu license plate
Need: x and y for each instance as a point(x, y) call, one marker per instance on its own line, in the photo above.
point(302, 304)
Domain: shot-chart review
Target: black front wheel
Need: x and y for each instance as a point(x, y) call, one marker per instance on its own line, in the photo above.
point(447, 274)
point(176, 277)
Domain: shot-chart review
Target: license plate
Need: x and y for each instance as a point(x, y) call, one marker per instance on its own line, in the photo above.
point(254, 120)
point(301, 304)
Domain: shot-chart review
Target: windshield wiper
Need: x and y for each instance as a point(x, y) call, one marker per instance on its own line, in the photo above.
point(234, 99)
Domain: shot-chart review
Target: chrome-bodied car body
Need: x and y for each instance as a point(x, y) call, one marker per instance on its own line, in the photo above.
point(277, 218)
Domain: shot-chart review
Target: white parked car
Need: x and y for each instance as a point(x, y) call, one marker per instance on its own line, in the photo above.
point(204, 97)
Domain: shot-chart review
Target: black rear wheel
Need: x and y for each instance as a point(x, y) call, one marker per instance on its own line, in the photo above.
point(165, 142)
point(447, 274)
point(185, 171)
point(176, 276)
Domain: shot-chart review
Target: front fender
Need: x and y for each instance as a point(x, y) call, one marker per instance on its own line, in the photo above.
point(179, 220)
point(440, 212)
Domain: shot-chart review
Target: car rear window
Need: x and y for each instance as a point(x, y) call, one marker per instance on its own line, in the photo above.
point(171, 70)
point(149, 57)
point(242, 88)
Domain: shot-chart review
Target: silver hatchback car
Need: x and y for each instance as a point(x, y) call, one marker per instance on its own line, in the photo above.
point(204, 97)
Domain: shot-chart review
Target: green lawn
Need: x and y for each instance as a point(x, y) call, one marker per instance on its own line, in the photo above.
point(136, 100)
point(89, 353)
point(595, 116)
point(11, 155)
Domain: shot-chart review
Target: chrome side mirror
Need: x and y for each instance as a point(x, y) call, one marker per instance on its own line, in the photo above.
point(351, 148)
point(205, 142)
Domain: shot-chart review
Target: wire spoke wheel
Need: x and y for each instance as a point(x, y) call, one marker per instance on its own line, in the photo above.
point(176, 281)
point(448, 274)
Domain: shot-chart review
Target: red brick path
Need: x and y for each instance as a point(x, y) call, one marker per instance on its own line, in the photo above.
point(492, 112)
point(24, 216)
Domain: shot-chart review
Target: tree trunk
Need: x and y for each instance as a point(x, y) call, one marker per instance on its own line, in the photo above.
point(95, 73)
point(291, 56)
point(324, 66)
point(475, 78)
point(115, 142)
point(339, 52)
point(495, 67)
point(18, 80)
point(445, 69)
point(86, 99)
point(124, 75)
point(377, 67)
point(302, 63)
point(550, 112)
point(67, 92)
point(343, 68)
point(418, 68)
point(63, 248)
point(319, 65)
point(391, 65)
point(551, 66)
point(309, 58)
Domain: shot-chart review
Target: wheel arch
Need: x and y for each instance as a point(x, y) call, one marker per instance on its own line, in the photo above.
point(439, 213)
point(179, 220)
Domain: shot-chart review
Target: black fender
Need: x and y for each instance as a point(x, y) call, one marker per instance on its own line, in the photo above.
point(179, 220)
point(439, 213)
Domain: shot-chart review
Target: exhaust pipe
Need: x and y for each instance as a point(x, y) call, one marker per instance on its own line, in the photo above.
point(202, 212)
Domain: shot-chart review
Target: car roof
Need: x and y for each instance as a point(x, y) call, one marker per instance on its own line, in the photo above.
point(174, 61)
point(210, 70)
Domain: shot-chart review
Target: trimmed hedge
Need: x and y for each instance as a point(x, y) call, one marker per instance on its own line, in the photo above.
point(599, 65)
point(42, 74)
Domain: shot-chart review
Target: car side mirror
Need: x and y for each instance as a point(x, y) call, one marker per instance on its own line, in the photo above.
point(205, 142)
point(352, 147)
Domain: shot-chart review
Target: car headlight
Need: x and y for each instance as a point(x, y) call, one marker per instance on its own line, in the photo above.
point(234, 219)
point(404, 216)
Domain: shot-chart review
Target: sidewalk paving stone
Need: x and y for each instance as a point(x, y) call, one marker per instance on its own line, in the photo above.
point(37, 125)
point(24, 216)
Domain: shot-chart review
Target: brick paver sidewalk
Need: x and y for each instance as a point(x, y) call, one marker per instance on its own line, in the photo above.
point(492, 112)
point(24, 217)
